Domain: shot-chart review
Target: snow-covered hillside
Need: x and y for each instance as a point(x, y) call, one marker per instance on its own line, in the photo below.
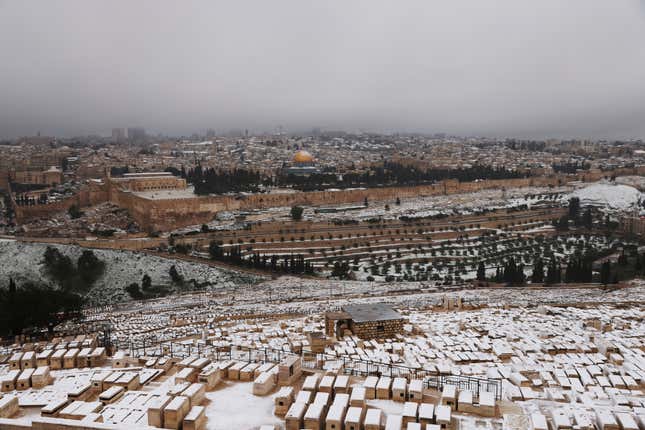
point(23, 262)
point(610, 197)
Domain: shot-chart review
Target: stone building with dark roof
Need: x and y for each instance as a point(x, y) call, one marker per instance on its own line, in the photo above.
point(367, 321)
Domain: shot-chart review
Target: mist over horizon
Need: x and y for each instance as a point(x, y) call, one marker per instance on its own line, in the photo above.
point(525, 69)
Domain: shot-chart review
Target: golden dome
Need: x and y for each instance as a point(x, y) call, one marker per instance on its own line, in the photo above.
point(303, 157)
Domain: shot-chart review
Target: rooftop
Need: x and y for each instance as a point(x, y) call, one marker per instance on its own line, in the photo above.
point(372, 312)
point(146, 174)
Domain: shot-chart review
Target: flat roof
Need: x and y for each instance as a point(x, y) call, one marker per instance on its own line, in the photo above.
point(145, 174)
point(372, 312)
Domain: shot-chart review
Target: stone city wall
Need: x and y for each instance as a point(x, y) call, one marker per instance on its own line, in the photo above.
point(167, 214)
point(159, 215)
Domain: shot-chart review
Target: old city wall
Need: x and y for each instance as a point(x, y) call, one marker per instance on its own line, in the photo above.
point(88, 195)
point(165, 214)
point(27, 213)
point(159, 215)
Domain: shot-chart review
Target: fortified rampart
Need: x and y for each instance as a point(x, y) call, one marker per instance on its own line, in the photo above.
point(165, 214)
point(169, 213)
point(91, 194)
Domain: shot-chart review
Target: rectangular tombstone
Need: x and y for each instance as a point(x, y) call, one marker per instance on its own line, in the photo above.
point(155, 410)
point(111, 395)
point(399, 389)
point(234, 370)
point(341, 385)
point(210, 377)
point(415, 391)
point(196, 419)
point(9, 380)
point(41, 377)
point(119, 360)
point(373, 419)
point(246, 373)
point(326, 383)
point(28, 360)
point(370, 387)
point(311, 383)
point(56, 359)
point(15, 361)
point(449, 396)
point(384, 388)
point(8, 406)
point(42, 359)
point(175, 411)
point(443, 416)
point(263, 384)
point(24, 379)
point(283, 401)
point(354, 418)
point(314, 417)
point(410, 412)
point(335, 417)
point(186, 374)
point(426, 413)
point(97, 357)
point(294, 417)
point(98, 380)
point(357, 397)
point(196, 393)
point(69, 359)
point(53, 408)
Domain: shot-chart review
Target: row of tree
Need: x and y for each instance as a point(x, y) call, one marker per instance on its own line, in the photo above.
point(578, 270)
point(294, 263)
point(394, 174)
point(211, 181)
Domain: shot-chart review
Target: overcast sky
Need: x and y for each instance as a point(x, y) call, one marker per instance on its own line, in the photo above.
point(539, 68)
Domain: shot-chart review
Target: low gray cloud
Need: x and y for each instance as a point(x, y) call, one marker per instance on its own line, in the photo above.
point(547, 68)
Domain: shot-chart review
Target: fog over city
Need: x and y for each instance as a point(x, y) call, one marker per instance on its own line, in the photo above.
point(547, 68)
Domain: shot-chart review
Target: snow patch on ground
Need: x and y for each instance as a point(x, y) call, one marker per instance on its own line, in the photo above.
point(235, 407)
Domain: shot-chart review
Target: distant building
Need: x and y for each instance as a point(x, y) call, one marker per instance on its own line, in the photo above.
point(50, 177)
point(148, 181)
point(136, 134)
point(367, 321)
point(37, 140)
point(302, 164)
point(118, 135)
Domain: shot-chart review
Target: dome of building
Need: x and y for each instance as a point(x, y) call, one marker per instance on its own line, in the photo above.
point(303, 157)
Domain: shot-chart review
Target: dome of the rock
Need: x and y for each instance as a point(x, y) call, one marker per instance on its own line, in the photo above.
point(303, 157)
